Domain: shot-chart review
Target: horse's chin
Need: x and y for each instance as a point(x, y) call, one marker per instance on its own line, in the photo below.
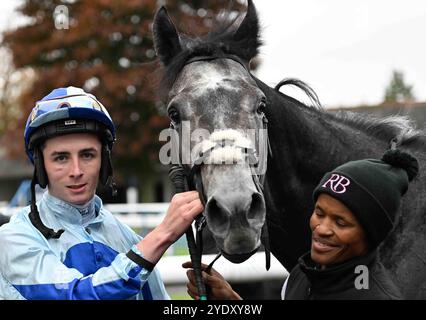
point(238, 258)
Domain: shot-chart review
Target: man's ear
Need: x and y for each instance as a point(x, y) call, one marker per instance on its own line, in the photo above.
point(166, 38)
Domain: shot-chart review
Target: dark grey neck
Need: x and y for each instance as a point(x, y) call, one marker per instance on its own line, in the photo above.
point(306, 143)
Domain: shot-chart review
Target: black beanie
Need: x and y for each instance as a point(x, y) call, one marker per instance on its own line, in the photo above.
point(372, 190)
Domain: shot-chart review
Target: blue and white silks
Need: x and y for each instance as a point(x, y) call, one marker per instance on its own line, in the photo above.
point(86, 262)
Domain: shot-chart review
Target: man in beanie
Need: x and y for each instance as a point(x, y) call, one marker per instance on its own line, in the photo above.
point(355, 209)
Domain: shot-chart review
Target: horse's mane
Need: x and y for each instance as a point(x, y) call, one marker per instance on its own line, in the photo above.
point(395, 126)
point(302, 86)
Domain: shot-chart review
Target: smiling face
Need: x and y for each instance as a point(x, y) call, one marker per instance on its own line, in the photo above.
point(337, 236)
point(72, 163)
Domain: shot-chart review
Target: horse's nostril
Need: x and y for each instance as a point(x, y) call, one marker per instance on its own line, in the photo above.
point(257, 207)
point(218, 217)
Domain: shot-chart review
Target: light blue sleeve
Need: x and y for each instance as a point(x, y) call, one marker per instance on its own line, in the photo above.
point(30, 267)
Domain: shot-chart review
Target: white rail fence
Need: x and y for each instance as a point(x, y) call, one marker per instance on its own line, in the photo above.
point(249, 271)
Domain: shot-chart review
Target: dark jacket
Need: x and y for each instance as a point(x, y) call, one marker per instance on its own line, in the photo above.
point(307, 282)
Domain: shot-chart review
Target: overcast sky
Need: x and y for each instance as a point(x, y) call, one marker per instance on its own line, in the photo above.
point(345, 49)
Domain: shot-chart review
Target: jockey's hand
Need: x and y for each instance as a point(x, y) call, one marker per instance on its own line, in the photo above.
point(184, 208)
point(217, 287)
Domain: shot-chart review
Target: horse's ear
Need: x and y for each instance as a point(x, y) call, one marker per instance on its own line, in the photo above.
point(166, 38)
point(248, 33)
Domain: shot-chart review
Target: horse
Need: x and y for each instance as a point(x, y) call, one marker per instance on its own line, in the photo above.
point(208, 85)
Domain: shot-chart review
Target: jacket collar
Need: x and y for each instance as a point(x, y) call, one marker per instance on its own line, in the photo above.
point(335, 278)
point(65, 211)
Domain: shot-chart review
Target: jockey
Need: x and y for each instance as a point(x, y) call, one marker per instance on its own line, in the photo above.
point(67, 245)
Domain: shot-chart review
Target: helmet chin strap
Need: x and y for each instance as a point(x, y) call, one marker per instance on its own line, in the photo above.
point(106, 174)
point(35, 219)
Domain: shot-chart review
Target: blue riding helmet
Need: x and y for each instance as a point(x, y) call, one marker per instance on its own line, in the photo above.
point(64, 111)
point(67, 110)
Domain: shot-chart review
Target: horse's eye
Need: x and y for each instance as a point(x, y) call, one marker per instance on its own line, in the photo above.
point(261, 107)
point(174, 114)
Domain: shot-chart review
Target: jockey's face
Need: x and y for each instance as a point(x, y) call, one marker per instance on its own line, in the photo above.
point(72, 163)
point(337, 236)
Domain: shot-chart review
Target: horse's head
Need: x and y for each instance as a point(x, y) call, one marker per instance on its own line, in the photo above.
point(217, 108)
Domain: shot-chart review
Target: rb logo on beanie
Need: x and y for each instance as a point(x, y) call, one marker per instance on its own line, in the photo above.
point(372, 190)
point(337, 183)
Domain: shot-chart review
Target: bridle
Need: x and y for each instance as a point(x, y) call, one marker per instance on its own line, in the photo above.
point(188, 177)
point(192, 171)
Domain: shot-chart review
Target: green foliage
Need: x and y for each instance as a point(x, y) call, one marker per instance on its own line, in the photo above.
point(398, 90)
point(182, 295)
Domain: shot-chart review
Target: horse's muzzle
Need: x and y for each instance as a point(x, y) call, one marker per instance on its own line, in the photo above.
point(238, 258)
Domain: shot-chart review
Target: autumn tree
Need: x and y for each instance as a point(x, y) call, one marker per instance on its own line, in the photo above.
point(398, 90)
point(105, 47)
point(12, 84)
